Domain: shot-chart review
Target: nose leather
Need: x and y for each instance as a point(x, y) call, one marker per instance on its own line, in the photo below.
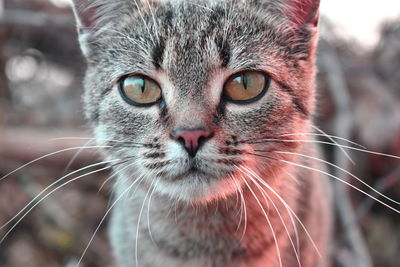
point(192, 139)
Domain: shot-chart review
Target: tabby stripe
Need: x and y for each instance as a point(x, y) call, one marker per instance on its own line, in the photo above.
point(158, 53)
point(299, 106)
point(224, 51)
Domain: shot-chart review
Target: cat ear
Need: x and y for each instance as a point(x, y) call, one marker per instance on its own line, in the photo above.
point(96, 16)
point(304, 12)
point(85, 13)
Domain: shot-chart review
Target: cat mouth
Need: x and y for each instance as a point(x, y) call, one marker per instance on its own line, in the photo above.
point(192, 173)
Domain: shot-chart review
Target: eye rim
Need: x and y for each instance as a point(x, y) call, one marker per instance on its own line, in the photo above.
point(129, 100)
point(267, 85)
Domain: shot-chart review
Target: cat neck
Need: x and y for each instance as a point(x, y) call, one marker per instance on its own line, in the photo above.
point(236, 227)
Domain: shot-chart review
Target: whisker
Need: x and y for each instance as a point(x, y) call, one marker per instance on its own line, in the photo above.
point(138, 224)
point(383, 184)
point(98, 139)
point(330, 138)
point(285, 203)
point(72, 160)
point(243, 208)
point(49, 155)
point(337, 167)
point(326, 135)
point(287, 206)
point(265, 194)
point(236, 194)
point(237, 199)
point(268, 221)
point(52, 184)
point(117, 171)
point(148, 211)
point(330, 175)
point(71, 138)
point(43, 198)
point(266, 140)
point(102, 220)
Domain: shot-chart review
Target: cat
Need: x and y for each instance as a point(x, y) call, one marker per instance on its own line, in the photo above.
point(200, 105)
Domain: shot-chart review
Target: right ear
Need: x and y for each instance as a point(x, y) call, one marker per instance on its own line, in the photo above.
point(305, 11)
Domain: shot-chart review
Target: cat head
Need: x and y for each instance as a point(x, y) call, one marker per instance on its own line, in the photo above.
point(187, 93)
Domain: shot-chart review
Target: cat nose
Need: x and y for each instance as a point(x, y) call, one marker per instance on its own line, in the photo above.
point(192, 139)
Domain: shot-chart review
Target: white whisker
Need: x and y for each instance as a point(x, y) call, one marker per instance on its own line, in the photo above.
point(333, 140)
point(265, 194)
point(48, 155)
point(43, 198)
point(268, 221)
point(72, 160)
point(52, 184)
point(336, 178)
point(243, 208)
point(102, 220)
point(148, 211)
point(289, 208)
point(339, 168)
point(326, 143)
point(325, 135)
point(138, 224)
point(116, 172)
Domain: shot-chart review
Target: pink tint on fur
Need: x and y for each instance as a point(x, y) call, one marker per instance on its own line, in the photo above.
point(305, 11)
point(192, 137)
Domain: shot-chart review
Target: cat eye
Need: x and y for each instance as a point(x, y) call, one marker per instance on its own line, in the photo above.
point(139, 90)
point(246, 87)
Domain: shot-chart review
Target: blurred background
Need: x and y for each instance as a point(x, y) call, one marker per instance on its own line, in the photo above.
point(41, 69)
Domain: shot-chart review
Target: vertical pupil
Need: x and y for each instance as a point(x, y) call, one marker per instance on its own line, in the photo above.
point(135, 83)
point(245, 81)
point(142, 84)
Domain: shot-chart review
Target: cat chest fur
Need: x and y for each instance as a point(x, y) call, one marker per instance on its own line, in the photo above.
point(217, 235)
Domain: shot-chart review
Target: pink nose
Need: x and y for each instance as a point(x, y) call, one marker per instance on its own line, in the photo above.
point(192, 139)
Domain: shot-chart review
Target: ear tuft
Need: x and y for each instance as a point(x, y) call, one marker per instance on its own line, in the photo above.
point(304, 11)
point(85, 13)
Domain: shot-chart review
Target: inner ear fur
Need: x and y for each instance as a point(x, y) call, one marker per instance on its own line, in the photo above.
point(304, 11)
point(94, 14)
point(85, 13)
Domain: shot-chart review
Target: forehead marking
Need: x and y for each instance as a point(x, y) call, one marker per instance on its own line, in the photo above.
point(224, 51)
point(158, 54)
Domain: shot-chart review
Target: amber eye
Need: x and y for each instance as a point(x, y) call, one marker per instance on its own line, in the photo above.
point(246, 87)
point(139, 90)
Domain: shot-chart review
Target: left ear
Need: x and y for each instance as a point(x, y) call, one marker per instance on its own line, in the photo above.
point(303, 12)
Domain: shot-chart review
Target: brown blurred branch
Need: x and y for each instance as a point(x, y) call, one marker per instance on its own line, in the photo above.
point(359, 256)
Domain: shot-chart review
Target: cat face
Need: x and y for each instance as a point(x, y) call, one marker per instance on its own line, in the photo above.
point(182, 90)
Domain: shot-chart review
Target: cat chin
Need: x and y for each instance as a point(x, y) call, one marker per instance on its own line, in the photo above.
point(198, 191)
